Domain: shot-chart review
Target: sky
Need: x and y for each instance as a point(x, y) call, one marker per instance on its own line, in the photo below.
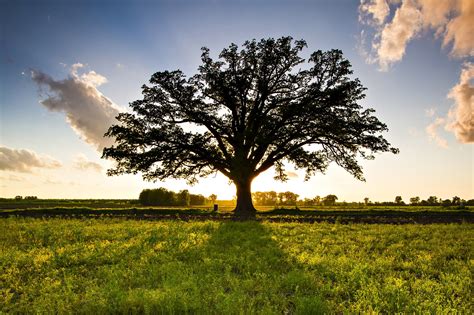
point(67, 68)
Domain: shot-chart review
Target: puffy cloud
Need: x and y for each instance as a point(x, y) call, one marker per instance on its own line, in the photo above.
point(449, 19)
point(459, 119)
point(87, 110)
point(435, 13)
point(396, 34)
point(432, 131)
point(24, 160)
point(460, 30)
point(93, 78)
point(379, 10)
point(82, 163)
point(461, 115)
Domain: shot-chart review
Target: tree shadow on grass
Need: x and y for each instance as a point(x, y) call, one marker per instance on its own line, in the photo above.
point(177, 267)
point(241, 269)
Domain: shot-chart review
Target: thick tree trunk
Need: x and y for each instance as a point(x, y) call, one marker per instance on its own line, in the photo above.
point(244, 208)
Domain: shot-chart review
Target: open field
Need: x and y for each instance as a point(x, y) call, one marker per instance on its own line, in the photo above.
point(131, 208)
point(47, 203)
point(128, 266)
point(407, 215)
point(224, 205)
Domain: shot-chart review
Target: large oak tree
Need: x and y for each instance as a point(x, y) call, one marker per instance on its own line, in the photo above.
point(255, 107)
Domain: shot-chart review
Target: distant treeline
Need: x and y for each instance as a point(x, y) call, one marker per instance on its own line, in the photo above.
point(165, 197)
point(430, 201)
point(288, 198)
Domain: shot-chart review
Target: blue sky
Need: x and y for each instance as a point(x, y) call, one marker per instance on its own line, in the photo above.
point(127, 41)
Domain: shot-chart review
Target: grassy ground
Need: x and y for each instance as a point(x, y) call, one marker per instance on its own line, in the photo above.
point(332, 215)
point(111, 265)
point(224, 206)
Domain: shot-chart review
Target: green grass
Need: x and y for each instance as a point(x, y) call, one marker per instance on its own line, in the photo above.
point(224, 206)
point(119, 266)
point(344, 216)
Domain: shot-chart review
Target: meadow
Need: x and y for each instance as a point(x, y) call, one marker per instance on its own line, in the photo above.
point(224, 205)
point(127, 266)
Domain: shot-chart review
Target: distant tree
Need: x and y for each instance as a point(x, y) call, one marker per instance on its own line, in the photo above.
point(445, 203)
point(317, 200)
point(183, 198)
point(167, 197)
point(265, 198)
point(31, 198)
point(143, 197)
point(414, 200)
point(271, 198)
point(398, 200)
point(157, 197)
point(260, 106)
point(330, 200)
point(308, 202)
point(456, 201)
point(432, 201)
point(197, 200)
point(287, 198)
point(18, 197)
point(259, 198)
point(366, 201)
point(213, 198)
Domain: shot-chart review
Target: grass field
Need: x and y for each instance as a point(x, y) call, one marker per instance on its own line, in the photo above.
point(127, 266)
point(371, 215)
point(224, 205)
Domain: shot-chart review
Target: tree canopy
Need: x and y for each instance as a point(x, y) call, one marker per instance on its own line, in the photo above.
point(252, 108)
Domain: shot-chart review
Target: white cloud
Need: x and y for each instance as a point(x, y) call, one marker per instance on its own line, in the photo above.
point(461, 114)
point(432, 131)
point(449, 19)
point(460, 30)
point(459, 119)
point(378, 9)
point(87, 110)
point(22, 160)
point(81, 162)
point(396, 34)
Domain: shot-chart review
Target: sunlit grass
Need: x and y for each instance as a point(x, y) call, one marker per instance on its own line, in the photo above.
point(109, 265)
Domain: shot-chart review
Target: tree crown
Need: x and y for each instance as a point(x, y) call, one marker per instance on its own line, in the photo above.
point(251, 109)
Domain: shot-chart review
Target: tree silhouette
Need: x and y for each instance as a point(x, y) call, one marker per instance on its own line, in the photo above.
point(456, 200)
point(433, 200)
point(288, 198)
point(330, 200)
point(251, 109)
point(398, 200)
point(415, 200)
